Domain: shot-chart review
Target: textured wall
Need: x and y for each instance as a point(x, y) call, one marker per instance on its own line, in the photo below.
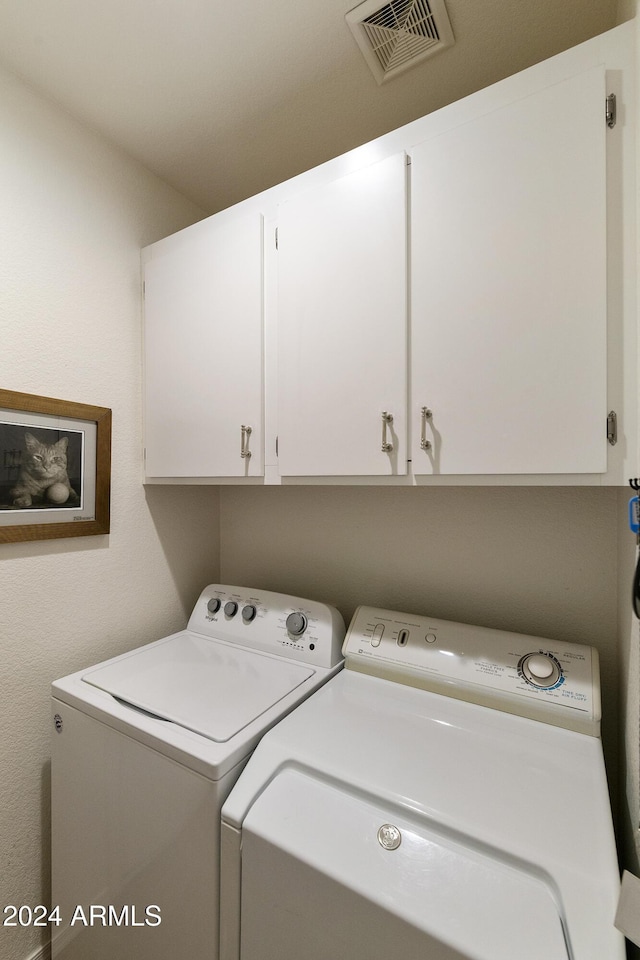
point(74, 216)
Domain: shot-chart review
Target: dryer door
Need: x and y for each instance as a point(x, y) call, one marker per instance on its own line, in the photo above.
point(331, 875)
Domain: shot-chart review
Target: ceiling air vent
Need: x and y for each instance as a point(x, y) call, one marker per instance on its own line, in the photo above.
point(397, 35)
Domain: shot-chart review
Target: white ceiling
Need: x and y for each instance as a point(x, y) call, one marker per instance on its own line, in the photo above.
point(225, 100)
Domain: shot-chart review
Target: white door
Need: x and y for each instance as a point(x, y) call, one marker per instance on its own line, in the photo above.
point(342, 326)
point(203, 354)
point(509, 288)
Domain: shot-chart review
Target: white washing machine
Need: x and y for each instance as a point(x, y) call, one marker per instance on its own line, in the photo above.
point(145, 749)
point(443, 798)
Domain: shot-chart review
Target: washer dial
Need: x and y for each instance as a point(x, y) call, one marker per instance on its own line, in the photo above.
point(249, 612)
point(214, 605)
point(540, 670)
point(296, 624)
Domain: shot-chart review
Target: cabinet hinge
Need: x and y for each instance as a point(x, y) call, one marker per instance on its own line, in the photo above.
point(276, 238)
point(610, 110)
point(276, 446)
point(612, 428)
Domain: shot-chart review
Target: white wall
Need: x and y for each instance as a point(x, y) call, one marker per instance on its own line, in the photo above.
point(626, 10)
point(74, 215)
point(538, 560)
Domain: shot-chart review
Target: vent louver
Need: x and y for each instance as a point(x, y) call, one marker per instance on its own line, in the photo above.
point(399, 34)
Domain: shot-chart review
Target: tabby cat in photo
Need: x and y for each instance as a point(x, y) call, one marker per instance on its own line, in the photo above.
point(45, 465)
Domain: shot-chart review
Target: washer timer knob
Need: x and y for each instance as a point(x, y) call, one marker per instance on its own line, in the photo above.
point(296, 624)
point(540, 669)
point(249, 613)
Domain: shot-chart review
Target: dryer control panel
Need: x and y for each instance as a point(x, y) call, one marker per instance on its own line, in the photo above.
point(275, 623)
point(549, 680)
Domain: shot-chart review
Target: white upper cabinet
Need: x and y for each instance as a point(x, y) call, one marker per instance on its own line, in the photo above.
point(478, 264)
point(342, 325)
point(508, 281)
point(203, 352)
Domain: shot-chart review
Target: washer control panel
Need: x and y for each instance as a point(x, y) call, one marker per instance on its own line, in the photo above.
point(276, 623)
point(557, 682)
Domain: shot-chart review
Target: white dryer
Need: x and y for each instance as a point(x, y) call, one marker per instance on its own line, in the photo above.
point(145, 748)
point(443, 798)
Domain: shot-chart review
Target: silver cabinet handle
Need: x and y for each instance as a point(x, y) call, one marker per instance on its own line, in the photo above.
point(245, 433)
point(425, 414)
point(386, 419)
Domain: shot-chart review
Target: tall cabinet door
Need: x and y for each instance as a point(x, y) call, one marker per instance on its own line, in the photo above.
point(203, 354)
point(509, 289)
point(342, 326)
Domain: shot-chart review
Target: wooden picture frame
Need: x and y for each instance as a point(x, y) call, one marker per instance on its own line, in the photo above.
point(55, 468)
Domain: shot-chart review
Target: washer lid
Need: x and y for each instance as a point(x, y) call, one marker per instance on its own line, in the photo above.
point(208, 686)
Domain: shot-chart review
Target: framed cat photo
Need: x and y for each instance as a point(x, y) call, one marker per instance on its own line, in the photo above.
point(55, 468)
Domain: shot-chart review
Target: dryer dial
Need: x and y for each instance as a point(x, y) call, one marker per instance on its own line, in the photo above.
point(540, 670)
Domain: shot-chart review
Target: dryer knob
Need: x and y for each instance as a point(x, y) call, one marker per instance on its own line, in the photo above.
point(540, 666)
point(296, 624)
point(540, 670)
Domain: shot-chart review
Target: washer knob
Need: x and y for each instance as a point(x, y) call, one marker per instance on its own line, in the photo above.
point(540, 670)
point(214, 605)
point(248, 613)
point(296, 624)
point(230, 608)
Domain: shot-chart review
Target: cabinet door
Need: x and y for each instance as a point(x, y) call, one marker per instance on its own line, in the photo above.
point(509, 288)
point(342, 325)
point(203, 350)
